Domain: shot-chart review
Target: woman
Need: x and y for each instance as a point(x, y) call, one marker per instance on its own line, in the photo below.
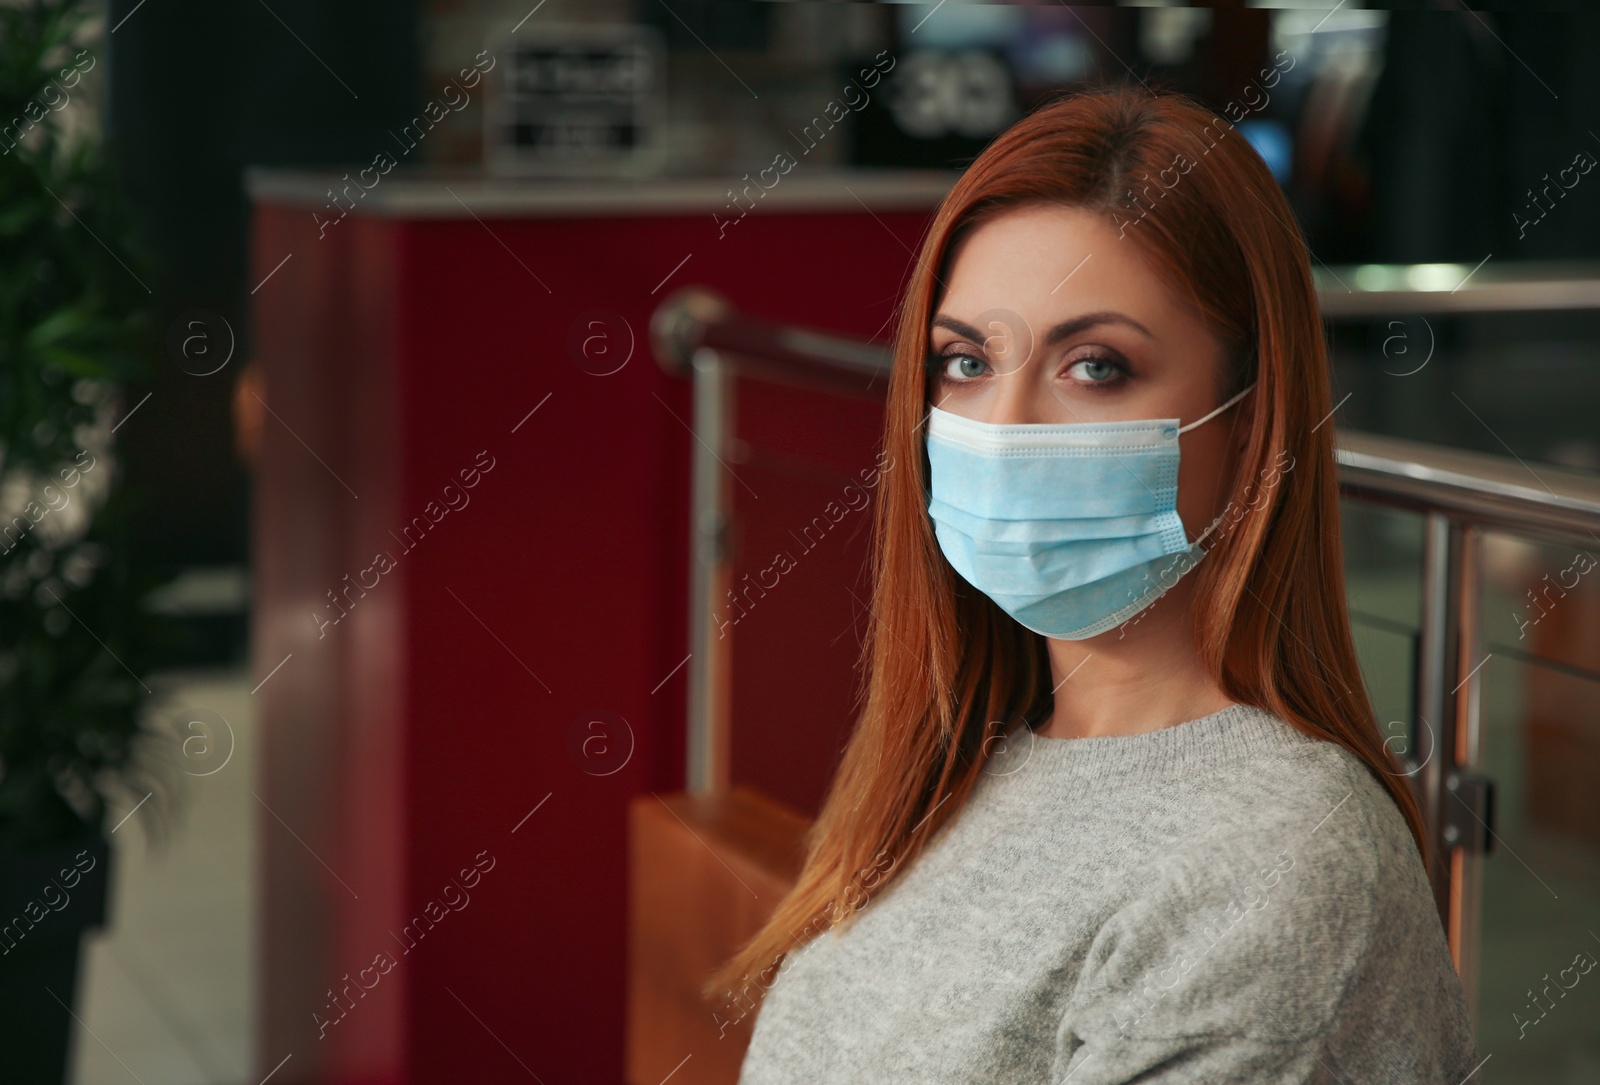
point(1116, 808)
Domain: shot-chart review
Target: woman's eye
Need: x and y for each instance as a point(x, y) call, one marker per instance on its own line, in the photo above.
point(963, 367)
point(1095, 371)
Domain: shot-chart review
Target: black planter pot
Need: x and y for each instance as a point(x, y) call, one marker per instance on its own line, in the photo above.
point(48, 898)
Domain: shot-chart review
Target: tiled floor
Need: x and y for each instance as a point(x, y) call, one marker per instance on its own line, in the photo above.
point(167, 991)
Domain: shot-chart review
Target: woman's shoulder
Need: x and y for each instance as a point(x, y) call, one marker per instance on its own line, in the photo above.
point(1313, 812)
point(1296, 791)
point(1293, 902)
point(1303, 806)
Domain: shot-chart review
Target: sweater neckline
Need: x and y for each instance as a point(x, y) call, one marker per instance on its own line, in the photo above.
point(1237, 732)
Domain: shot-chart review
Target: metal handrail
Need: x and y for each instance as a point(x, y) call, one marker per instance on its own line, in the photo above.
point(1471, 487)
point(1372, 290)
point(1459, 494)
point(697, 318)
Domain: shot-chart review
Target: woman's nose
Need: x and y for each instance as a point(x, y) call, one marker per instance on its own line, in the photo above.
point(1020, 398)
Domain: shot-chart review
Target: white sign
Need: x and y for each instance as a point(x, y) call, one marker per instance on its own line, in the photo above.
point(576, 99)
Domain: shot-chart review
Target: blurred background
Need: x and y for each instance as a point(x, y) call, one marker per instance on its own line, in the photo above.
point(399, 404)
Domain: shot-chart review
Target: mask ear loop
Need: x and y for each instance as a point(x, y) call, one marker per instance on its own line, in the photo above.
point(1247, 390)
point(1209, 529)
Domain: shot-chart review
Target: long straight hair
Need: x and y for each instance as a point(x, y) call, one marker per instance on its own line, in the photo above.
point(946, 670)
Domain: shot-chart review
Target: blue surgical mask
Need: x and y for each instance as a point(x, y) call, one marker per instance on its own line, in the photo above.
point(1070, 528)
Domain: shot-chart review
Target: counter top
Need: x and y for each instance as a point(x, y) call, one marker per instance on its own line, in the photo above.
point(439, 193)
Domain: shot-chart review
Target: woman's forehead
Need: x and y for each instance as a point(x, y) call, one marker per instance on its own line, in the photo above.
point(1053, 263)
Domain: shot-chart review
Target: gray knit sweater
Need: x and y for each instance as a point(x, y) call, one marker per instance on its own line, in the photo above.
point(1226, 900)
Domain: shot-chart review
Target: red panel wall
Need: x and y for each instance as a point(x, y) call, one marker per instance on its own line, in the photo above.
point(440, 725)
point(803, 526)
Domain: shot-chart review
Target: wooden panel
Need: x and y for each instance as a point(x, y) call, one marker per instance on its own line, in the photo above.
point(1561, 743)
point(705, 873)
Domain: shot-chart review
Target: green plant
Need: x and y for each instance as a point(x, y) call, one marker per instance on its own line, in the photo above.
point(76, 642)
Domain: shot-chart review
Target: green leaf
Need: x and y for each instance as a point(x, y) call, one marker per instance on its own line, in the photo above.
point(75, 363)
point(16, 219)
point(58, 326)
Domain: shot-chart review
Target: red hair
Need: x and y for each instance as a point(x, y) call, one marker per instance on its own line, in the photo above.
point(946, 669)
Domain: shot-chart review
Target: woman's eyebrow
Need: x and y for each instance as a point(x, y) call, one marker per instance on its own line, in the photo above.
point(1064, 330)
